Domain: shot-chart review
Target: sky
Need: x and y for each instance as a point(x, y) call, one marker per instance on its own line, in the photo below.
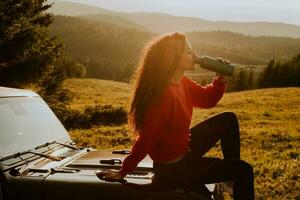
point(285, 11)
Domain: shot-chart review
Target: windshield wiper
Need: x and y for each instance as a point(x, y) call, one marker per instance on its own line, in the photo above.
point(55, 158)
point(55, 142)
point(30, 152)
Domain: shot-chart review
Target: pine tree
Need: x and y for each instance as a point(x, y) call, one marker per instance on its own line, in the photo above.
point(250, 83)
point(266, 75)
point(27, 51)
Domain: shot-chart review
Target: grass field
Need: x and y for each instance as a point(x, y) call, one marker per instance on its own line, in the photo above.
point(269, 123)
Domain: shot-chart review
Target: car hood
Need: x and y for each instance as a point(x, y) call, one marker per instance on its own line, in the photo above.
point(74, 178)
point(77, 178)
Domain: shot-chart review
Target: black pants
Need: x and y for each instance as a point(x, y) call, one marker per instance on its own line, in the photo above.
point(195, 169)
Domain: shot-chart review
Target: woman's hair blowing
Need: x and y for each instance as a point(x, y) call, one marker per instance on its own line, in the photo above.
point(157, 64)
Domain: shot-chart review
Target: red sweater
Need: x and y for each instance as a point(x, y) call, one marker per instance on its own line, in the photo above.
point(165, 132)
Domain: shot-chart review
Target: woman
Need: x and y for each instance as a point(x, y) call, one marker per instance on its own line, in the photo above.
point(161, 112)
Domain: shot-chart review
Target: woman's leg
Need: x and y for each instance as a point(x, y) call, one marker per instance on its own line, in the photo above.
point(220, 170)
point(223, 126)
point(194, 171)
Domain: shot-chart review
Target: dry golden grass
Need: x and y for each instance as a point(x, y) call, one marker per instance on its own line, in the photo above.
point(269, 123)
point(89, 92)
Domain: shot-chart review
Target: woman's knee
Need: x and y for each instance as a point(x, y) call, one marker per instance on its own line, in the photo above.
point(226, 120)
point(229, 115)
point(246, 169)
point(230, 119)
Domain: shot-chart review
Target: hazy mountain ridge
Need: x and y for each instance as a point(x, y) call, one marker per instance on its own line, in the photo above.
point(116, 20)
point(160, 23)
point(75, 9)
point(63, 8)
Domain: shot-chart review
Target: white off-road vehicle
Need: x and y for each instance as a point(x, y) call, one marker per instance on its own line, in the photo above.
point(38, 159)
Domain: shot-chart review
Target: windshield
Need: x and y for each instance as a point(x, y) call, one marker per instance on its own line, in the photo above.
point(26, 122)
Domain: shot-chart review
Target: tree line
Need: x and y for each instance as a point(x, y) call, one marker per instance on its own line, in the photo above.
point(281, 74)
point(244, 49)
point(276, 74)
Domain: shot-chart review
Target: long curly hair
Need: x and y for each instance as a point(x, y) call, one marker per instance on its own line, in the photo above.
point(157, 64)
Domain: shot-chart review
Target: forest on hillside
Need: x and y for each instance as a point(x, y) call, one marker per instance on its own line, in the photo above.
point(244, 49)
point(110, 51)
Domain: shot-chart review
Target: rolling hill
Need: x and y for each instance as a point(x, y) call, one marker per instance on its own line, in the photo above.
point(115, 20)
point(160, 23)
point(75, 9)
point(109, 46)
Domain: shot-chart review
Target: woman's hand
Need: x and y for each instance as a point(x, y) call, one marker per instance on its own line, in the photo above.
point(223, 60)
point(110, 175)
point(221, 77)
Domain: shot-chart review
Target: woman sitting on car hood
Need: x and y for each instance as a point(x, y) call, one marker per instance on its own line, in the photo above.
point(161, 113)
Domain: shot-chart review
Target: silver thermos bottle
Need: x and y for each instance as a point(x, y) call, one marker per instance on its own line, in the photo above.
point(213, 64)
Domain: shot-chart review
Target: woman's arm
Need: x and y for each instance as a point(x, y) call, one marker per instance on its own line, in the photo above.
point(154, 123)
point(209, 95)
